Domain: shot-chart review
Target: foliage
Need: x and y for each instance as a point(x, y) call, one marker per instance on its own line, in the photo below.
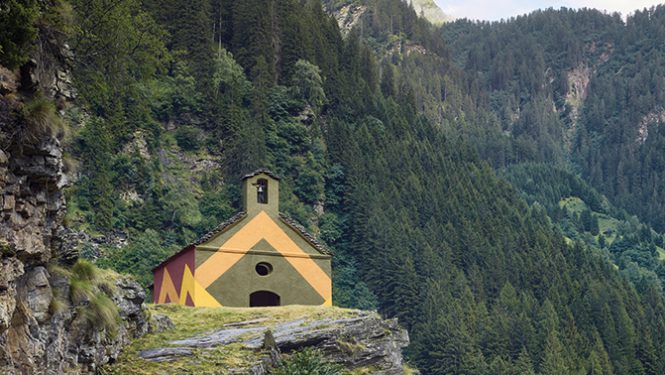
point(585, 215)
point(39, 119)
point(88, 292)
point(307, 362)
point(188, 138)
point(308, 84)
point(422, 228)
point(618, 147)
point(18, 19)
point(102, 312)
point(138, 258)
point(573, 87)
point(83, 271)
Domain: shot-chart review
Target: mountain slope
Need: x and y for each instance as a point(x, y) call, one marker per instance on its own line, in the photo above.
point(374, 135)
point(583, 214)
point(577, 87)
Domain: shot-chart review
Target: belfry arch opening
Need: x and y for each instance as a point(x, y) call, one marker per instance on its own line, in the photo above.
point(262, 191)
point(263, 298)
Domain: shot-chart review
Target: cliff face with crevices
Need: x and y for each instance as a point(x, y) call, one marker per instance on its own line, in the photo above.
point(41, 330)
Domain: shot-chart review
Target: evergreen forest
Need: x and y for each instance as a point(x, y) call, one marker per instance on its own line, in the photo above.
point(499, 187)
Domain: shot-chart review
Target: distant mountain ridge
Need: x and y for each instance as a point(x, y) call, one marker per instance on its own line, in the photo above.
point(346, 11)
point(430, 11)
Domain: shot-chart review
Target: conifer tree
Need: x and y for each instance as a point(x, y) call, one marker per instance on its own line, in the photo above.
point(554, 361)
point(524, 365)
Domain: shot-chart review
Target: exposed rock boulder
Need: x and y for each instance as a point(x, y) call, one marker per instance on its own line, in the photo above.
point(10, 270)
point(166, 354)
point(159, 323)
point(45, 338)
point(431, 11)
point(38, 293)
point(75, 243)
point(363, 340)
point(8, 81)
point(348, 15)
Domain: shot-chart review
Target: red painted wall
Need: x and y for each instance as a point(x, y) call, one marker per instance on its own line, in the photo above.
point(176, 267)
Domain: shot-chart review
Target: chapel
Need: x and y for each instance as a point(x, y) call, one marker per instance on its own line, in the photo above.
point(258, 257)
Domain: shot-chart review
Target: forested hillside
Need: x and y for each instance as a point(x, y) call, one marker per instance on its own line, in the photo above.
point(385, 136)
point(585, 215)
point(579, 91)
point(578, 88)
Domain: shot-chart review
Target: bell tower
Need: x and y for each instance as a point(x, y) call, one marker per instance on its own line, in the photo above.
point(260, 192)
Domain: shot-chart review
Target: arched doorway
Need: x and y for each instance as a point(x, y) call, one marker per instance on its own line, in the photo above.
point(263, 298)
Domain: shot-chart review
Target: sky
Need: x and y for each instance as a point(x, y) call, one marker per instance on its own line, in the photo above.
point(498, 9)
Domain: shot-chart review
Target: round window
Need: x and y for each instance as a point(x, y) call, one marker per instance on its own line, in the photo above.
point(263, 268)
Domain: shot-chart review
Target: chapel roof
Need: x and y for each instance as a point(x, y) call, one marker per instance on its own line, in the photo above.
point(259, 171)
point(294, 225)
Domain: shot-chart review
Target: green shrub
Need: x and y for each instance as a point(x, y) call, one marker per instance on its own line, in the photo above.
point(189, 138)
point(40, 118)
point(80, 291)
point(81, 283)
point(60, 17)
point(102, 313)
point(144, 252)
point(90, 293)
point(308, 362)
point(84, 271)
point(18, 30)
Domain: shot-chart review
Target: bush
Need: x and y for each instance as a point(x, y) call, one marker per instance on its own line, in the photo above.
point(18, 30)
point(103, 314)
point(89, 293)
point(144, 252)
point(80, 291)
point(40, 118)
point(84, 271)
point(189, 138)
point(308, 362)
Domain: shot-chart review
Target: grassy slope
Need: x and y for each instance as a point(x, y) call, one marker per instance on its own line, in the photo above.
point(608, 225)
point(192, 321)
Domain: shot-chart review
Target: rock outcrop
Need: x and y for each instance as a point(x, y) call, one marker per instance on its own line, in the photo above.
point(431, 11)
point(41, 330)
point(360, 340)
point(347, 15)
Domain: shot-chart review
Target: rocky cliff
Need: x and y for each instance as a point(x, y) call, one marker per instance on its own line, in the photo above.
point(254, 341)
point(431, 11)
point(43, 328)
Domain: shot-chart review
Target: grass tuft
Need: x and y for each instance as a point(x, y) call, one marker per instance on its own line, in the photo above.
point(103, 314)
point(81, 291)
point(57, 305)
point(57, 270)
point(308, 361)
point(89, 289)
point(41, 118)
point(84, 271)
